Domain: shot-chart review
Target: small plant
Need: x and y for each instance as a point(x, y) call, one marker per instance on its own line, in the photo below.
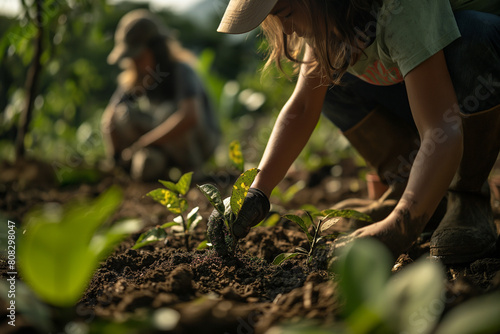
point(219, 228)
point(172, 197)
point(330, 218)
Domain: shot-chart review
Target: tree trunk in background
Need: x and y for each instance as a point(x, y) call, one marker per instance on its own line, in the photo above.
point(31, 85)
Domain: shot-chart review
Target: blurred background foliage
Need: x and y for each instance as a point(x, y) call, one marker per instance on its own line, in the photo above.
point(76, 82)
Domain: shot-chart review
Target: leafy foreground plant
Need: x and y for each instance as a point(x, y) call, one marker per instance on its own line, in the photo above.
point(62, 246)
point(219, 228)
point(172, 197)
point(410, 301)
point(331, 217)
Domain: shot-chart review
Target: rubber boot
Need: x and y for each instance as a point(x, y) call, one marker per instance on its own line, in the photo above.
point(467, 231)
point(389, 146)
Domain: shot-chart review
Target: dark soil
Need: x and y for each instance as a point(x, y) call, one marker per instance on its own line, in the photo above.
point(244, 294)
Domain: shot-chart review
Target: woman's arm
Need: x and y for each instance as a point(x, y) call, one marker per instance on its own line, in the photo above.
point(292, 129)
point(177, 124)
point(435, 110)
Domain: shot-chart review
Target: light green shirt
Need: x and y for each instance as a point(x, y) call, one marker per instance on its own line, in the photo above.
point(409, 32)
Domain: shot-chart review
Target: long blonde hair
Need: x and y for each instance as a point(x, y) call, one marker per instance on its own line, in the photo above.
point(341, 29)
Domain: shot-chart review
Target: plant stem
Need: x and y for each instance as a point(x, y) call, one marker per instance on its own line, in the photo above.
point(186, 232)
point(31, 85)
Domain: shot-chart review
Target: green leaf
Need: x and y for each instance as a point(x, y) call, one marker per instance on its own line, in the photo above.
point(328, 222)
point(203, 245)
point(363, 267)
point(170, 186)
point(56, 257)
point(236, 156)
point(297, 220)
point(478, 315)
point(169, 199)
point(283, 257)
point(193, 219)
point(184, 183)
point(170, 224)
point(240, 189)
point(271, 221)
point(149, 237)
point(330, 213)
point(214, 197)
point(103, 243)
point(414, 298)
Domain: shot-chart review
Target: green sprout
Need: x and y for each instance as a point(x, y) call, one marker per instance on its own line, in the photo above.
point(219, 229)
point(172, 197)
point(331, 217)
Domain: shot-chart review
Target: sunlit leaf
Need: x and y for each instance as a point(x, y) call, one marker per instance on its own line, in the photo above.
point(330, 213)
point(169, 224)
point(203, 245)
point(270, 221)
point(283, 257)
point(149, 237)
point(328, 222)
point(169, 185)
point(297, 220)
point(169, 199)
point(56, 257)
point(184, 183)
point(193, 219)
point(103, 243)
point(240, 189)
point(235, 155)
point(214, 197)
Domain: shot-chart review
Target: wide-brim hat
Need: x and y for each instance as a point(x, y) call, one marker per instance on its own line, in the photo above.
point(244, 15)
point(134, 31)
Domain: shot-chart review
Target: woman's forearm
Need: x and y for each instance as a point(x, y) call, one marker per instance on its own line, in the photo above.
point(432, 172)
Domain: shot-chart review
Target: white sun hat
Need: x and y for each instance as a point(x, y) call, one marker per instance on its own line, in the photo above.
point(244, 15)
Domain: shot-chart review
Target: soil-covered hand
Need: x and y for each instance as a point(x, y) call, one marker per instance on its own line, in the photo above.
point(255, 208)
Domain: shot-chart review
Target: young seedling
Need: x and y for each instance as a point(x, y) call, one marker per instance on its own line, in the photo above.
point(331, 217)
point(172, 197)
point(220, 224)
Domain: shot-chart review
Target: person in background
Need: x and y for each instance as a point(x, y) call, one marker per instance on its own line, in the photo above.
point(160, 115)
point(413, 85)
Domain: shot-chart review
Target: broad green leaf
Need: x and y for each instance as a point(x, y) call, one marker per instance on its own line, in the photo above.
point(170, 186)
point(236, 156)
point(56, 258)
point(169, 199)
point(103, 243)
point(240, 189)
point(478, 315)
point(283, 257)
point(414, 298)
point(297, 220)
point(169, 224)
point(363, 268)
point(184, 183)
point(214, 197)
point(330, 213)
point(149, 237)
